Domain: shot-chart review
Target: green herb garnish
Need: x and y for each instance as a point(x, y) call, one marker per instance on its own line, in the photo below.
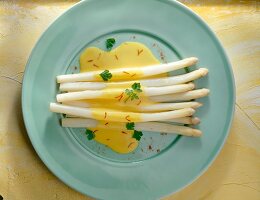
point(90, 134)
point(137, 135)
point(110, 42)
point(130, 126)
point(187, 70)
point(137, 87)
point(132, 93)
point(105, 75)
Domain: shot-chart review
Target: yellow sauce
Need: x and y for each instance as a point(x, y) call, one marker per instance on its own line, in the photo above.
point(128, 54)
point(115, 115)
point(120, 140)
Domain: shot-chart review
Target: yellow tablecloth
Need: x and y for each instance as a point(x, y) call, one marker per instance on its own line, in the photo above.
point(235, 174)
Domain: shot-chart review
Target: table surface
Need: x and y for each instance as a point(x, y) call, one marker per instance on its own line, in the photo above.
point(235, 174)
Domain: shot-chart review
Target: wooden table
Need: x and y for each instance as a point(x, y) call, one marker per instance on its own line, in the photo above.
point(235, 174)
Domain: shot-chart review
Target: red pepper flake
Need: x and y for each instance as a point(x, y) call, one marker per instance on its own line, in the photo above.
point(150, 147)
point(105, 115)
point(116, 57)
point(98, 56)
point(95, 65)
point(133, 75)
point(123, 132)
point(126, 72)
point(106, 123)
point(120, 96)
point(139, 103)
point(139, 51)
point(130, 144)
point(127, 118)
point(90, 60)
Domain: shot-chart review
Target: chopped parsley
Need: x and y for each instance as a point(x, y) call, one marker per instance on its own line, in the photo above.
point(130, 126)
point(90, 134)
point(187, 70)
point(105, 75)
point(132, 93)
point(137, 135)
point(137, 87)
point(110, 42)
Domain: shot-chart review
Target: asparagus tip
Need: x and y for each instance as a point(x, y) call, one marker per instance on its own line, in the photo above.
point(207, 91)
point(192, 85)
point(196, 133)
point(198, 105)
point(195, 120)
point(194, 59)
point(190, 111)
point(51, 106)
point(58, 99)
point(204, 71)
point(58, 79)
point(204, 92)
point(191, 61)
point(61, 88)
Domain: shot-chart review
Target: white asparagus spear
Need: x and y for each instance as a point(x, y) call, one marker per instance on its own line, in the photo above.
point(185, 96)
point(185, 120)
point(83, 104)
point(154, 91)
point(169, 106)
point(156, 82)
point(139, 126)
point(118, 116)
point(79, 86)
point(88, 94)
point(182, 120)
point(168, 128)
point(113, 92)
point(174, 80)
point(140, 72)
point(144, 108)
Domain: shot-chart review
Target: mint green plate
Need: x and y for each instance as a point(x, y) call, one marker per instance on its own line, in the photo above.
point(162, 164)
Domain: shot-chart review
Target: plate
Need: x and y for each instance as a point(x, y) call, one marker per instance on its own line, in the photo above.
point(168, 28)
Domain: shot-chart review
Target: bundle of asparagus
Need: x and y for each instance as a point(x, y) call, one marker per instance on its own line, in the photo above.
point(169, 98)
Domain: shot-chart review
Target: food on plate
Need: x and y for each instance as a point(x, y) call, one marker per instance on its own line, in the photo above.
point(127, 73)
point(123, 91)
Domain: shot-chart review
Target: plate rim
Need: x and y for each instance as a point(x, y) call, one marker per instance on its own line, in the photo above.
point(216, 41)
